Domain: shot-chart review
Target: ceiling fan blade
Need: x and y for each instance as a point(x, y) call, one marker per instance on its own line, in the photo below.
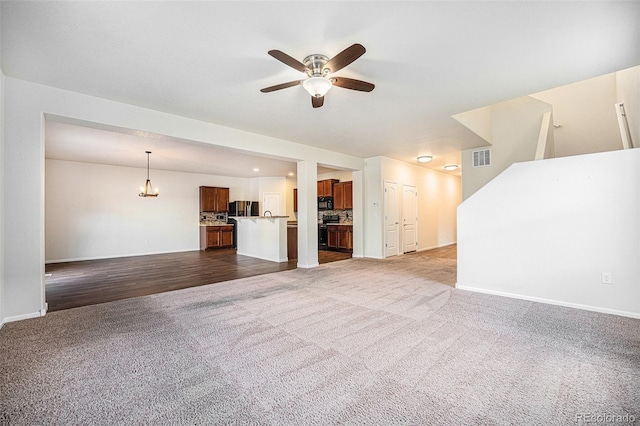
point(281, 86)
point(288, 60)
point(345, 57)
point(317, 102)
point(350, 83)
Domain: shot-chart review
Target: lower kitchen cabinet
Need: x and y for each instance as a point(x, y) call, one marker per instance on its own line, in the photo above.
point(340, 238)
point(216, 236)
point(292, 242)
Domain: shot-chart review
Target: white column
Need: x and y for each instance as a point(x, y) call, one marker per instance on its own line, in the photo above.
point(307, 214)
point(358, 213)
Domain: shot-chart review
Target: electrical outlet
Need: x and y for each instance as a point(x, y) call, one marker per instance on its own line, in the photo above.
point(607, 278)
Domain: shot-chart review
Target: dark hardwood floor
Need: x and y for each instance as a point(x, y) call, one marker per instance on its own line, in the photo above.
point(448, 252)
point(75, 284)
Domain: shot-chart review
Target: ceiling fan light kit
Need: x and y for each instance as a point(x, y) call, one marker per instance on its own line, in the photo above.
point(318, 67)
point(317, 86)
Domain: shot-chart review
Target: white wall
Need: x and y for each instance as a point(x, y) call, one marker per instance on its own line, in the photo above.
point(477, 120)
point(373, 209)
point(546, 230)
point(291, 182)
point(438, 197)
point(23, 219)
point(1, 195)
point(515, 127)
point(93, 211)
point(439, 194)
point(341, 175)
point(586, 114)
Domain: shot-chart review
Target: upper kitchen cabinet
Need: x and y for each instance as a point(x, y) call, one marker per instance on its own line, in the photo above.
point(343, 195)
point(325, 187)
point(213, 199)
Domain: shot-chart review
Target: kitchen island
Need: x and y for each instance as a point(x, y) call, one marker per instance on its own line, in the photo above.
point(263, 237)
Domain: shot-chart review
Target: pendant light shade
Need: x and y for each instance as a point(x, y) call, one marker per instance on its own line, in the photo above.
point(148, 191)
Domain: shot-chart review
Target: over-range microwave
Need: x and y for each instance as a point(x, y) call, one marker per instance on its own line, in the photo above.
point(325, 203)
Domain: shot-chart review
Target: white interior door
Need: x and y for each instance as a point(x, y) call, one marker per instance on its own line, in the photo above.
point(271, 203)
point(409, 218)
point(390, 219)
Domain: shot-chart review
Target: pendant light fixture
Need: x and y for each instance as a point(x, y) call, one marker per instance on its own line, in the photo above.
point(147, 191)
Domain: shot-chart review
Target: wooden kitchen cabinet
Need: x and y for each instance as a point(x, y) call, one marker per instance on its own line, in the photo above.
point(292, 242)
point(213, 237)
point(214, 199)
point(332, 237)
point(340, 238)
point(216, 236)
point(295, 199)
point(345, 239)
point(325, 187)
point(343, 195)
point(226, 236)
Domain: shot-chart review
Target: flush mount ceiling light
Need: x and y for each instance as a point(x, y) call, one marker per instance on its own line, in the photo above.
point(148, 191)
point(451, 167)
point(425, 158)
point(317, 68)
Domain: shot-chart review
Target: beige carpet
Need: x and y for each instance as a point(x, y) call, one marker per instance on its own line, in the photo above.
point(352, 342)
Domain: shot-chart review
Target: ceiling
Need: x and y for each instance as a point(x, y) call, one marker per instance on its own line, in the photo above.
point(208, 61)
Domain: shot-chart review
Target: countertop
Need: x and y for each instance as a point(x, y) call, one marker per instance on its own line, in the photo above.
point(340, 223)
point(217, 224)
point(258, 217)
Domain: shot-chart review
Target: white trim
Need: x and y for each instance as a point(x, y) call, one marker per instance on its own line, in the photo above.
point(437, 246)
point(543, 137)
point(298, 265)
point(80, 259)
point(36, 314)
point(623, 124)
point(553, 302)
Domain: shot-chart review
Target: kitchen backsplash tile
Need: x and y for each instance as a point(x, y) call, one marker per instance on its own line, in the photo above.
point(213, 218)
point(346, 216)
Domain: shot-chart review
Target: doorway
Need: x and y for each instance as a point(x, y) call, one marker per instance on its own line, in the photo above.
point(271, 203)
point(409, 218)
point(390, 219)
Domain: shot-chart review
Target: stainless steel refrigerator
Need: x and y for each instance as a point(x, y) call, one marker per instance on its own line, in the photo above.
point(244, 208)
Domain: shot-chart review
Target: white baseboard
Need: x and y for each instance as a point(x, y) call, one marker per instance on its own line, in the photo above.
point(438, 246)
point(553, 302)
point(30, 315)
point(307, 266)
point(80, 259)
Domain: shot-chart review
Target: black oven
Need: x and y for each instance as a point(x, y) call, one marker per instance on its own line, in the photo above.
point(322, 236)
point(325, 203)
point(323, 231)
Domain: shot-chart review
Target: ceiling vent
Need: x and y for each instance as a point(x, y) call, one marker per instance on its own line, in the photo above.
point(482, 158)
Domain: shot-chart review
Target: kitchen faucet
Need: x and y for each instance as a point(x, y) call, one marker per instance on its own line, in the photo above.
point(267, 211)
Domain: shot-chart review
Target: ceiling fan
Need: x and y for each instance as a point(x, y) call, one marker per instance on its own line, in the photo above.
point(318, 67)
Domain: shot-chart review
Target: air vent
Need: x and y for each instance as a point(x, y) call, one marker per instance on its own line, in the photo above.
point(482, 158)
